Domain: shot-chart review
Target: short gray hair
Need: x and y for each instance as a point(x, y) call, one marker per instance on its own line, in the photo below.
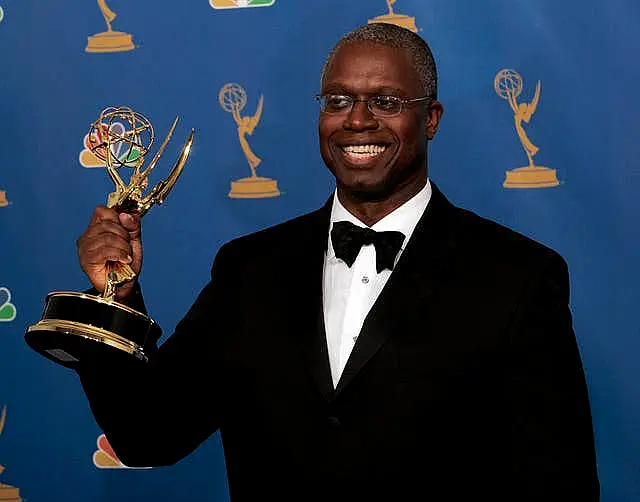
point(396, 37)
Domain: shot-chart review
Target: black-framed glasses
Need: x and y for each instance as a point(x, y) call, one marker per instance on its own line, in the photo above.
point(380, 106)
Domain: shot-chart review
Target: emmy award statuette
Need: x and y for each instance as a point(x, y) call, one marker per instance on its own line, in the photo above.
point(233, 98)
point(401, 20)
point(508, 85)
point(110, 40)
point(79, 327)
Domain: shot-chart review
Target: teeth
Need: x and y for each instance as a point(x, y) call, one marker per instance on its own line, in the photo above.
point(366, 149)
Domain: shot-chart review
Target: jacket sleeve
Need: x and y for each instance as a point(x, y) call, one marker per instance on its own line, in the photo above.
point(157, 413)
point(551, 433)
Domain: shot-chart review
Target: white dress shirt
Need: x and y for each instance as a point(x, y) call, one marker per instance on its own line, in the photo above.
point(349, 293)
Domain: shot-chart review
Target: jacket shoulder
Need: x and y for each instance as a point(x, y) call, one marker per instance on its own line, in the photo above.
point(489, 238)
point(272, 239)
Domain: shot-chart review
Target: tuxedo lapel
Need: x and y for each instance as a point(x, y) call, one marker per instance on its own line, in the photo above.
point(304, 295)
point(418, 274)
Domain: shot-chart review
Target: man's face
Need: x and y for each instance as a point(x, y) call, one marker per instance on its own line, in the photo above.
point(371, 157)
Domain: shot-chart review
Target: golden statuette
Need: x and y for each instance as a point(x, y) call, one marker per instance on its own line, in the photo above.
point(233, 99)
point(508, 85)
point(110, 40)
point(392, 17)
point(72, 323)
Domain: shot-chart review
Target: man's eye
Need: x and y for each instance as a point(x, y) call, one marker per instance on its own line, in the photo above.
point(386, 103)
point(337, 102)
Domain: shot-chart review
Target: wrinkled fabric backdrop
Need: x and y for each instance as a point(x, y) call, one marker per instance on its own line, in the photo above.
point(178, 58)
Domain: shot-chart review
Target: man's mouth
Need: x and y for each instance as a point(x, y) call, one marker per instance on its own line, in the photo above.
point(359, 154)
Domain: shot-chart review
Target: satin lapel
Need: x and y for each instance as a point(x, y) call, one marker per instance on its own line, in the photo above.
point(419, 272)
point(303, 295)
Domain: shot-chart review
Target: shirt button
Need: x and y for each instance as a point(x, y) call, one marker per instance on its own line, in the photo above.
point(365, 279)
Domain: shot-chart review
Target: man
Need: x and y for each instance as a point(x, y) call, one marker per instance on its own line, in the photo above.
point(427, 354)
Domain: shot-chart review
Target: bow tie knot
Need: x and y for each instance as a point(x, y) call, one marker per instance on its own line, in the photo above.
point(347, 239)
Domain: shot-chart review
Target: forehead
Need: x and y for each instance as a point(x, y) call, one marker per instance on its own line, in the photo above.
point(366, 67)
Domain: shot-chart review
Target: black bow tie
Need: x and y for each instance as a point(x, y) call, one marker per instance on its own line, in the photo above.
point(347, 239)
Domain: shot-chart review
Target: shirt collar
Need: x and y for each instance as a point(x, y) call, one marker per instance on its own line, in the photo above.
point(403, 219)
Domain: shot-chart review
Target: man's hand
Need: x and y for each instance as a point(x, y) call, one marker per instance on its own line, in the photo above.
point(110, 237)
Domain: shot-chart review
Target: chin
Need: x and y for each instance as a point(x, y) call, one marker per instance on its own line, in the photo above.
point(368, 190)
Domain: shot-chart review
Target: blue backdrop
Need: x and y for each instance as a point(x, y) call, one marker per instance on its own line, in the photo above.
point(173, 58)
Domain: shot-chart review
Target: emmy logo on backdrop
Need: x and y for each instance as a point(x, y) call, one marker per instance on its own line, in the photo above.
point(398, 19)
point(78, 328)
point(109, 41)
point(3, 199)
point(7, 493)
point(508, 85)
point(233, 99)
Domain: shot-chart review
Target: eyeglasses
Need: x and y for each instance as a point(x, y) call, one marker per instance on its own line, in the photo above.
point(380, 106)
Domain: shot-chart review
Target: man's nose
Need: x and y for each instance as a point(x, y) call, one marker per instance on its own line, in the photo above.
point(360, 117)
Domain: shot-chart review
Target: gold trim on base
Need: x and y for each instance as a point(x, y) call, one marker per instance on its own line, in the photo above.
point(531, 177)
point(254, 188)
point(91, 333)
point(110, 41)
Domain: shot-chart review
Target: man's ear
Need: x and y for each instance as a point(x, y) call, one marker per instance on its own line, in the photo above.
point(434, 114)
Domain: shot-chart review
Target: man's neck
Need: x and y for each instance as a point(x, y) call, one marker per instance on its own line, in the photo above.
point(370, 212)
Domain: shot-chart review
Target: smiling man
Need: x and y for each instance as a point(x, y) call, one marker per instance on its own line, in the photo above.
point(388, 346)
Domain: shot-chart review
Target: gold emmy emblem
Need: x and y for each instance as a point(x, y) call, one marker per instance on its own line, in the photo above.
point(233, 99)
point(109, 41)
point(78, 327)
point(7, 493)
point(398, 19)
point(508, 85)
point(3, 201)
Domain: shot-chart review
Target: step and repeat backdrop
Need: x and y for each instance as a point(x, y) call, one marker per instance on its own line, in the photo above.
point(540, 132)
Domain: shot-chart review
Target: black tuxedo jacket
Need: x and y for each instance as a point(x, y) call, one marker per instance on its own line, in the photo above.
point(465, 383)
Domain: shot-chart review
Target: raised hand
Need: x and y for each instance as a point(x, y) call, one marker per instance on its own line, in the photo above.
point(110, 238)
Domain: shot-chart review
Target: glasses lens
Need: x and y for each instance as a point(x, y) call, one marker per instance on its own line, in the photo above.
point(385, 106)
point(335, 103)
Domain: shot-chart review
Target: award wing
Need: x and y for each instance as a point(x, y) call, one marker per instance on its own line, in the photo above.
point(531, 107)
point(253, 122)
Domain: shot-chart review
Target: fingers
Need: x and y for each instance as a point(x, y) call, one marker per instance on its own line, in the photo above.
point(96, 249)
point(103, 213)
point(107, 238)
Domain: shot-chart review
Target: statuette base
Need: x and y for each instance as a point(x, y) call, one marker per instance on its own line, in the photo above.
point(531, 177)
point(254, 188)
point(110, 41)
point(78, 329)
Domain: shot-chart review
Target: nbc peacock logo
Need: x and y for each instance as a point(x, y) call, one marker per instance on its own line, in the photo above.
point(238, 4)
point(8, 310)
point(105, 458)
point(94, 141)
